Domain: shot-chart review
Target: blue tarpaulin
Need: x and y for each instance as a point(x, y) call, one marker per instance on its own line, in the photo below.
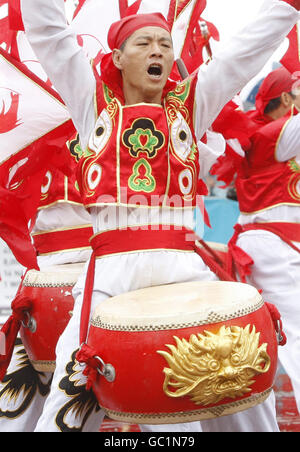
point(223, 214)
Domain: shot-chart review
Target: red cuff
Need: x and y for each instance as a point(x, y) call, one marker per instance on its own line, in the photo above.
point(294, 3)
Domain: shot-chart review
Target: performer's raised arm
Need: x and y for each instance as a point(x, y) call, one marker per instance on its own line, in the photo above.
point(241, 58)
point(232, 67)
point(56, 47)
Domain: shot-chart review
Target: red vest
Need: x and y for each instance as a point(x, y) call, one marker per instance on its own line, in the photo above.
point(58, 188)
point(263, 182)
point(144, 154)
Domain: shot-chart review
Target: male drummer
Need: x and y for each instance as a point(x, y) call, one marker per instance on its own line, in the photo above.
point(269, 198)
point(142, 142)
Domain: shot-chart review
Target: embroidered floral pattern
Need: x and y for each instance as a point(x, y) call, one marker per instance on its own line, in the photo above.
point(142, 179)
point(21, 385)
point(76, 150)
point(143, 137)
point(82, 403)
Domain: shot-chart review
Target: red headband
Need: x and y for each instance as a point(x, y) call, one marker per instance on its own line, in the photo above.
point(276, 83)
point(121, 30)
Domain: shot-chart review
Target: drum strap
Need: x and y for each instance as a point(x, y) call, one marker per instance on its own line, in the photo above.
point(240, 261)
point(9, 331)
point(126, 241)
point(62, 240)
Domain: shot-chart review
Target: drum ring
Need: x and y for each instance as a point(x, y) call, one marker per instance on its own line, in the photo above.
point(279, 335)
point(31, 324)
point(108, 371)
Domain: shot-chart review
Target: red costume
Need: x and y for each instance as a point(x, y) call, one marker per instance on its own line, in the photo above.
point(263, 181)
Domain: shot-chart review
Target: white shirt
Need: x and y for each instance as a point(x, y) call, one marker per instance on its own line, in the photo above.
point(58, 216)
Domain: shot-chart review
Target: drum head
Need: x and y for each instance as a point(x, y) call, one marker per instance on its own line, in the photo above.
point(54, 276)
point(187, 303)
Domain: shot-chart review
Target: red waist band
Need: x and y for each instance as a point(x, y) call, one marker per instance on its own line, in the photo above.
point(128, 240)
point(289, 232)
point(57, 241)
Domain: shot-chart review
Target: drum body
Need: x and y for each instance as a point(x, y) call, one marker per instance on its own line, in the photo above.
point(184, 352)
point(50, 291)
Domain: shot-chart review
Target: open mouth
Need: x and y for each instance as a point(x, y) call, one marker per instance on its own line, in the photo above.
point(155, 70)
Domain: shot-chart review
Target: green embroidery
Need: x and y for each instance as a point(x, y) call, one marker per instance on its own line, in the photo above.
point(76, 150)
point(294, 166)
point(143, 137)
point(138, 181)
point(193, 151)
point(143, 140)
point(181, 92)
point(107, 94)
point(82, 153)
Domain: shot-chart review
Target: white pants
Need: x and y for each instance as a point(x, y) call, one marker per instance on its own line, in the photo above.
point(65, 409)
point(22, 393)
point(276, 271)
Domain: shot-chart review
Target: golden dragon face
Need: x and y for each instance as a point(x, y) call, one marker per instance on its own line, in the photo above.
point(211, 367)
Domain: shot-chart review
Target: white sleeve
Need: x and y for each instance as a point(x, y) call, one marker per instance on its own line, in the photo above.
point(69, 70)
point(210, 152)
point(288, 146)
point(239, 60)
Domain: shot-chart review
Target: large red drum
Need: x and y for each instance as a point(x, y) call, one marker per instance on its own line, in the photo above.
point(50, 291)
point(183, 352)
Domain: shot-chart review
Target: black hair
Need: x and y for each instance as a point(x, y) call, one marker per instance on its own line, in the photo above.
point(275, 103)
point(122, 47)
